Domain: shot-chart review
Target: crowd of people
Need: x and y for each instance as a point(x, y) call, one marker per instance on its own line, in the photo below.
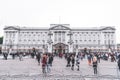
point(72, 59)
point(93, 59)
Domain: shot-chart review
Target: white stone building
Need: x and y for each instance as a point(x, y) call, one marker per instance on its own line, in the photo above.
point(58, 38)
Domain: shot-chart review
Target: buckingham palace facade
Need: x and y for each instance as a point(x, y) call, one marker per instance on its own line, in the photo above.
point(58, 37)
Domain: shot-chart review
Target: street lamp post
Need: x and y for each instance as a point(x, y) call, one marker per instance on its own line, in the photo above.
point(70, 42)
point(109, 48)
point(10, 50)
point(50, 45)
point(43, 46)
point(50, 42)
point(76, 48)
point(18, 41)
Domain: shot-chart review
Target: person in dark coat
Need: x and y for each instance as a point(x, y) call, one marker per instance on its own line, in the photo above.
point(68, 61)
point(38, 56)
point(77, 62)
point(50, 60)
point(13, 55)
point(5, 55)
point(98, 57)
point(118, 64)
point(72, 61)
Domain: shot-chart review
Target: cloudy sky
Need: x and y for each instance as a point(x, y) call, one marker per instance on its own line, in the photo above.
point(77, 13)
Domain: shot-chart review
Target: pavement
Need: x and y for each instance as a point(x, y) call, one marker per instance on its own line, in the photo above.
point(28, 69)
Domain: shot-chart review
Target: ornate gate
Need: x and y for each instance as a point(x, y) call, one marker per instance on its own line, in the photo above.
point(60, 48)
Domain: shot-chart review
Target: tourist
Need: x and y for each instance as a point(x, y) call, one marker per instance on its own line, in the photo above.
point(20, 56)
point(118, 64)
point(77, 62)
point(44, 62)
point(98, 57)
point(112, 57)
point(68, 60)
point(95, 64)
point(89, 57)
point(49, 62)
point(5, 55)
point(38, 56)
point(50, 59)
point(13, 55)
point(72, 61)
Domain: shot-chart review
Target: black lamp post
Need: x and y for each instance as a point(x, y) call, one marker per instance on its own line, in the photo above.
point(76, 47)
point(10, 43)
point(70, 42)
point(43, 46)
point(109, 47)
point(50, 40)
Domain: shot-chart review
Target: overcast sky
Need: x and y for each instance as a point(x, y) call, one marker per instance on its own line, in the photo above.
point(77, 13)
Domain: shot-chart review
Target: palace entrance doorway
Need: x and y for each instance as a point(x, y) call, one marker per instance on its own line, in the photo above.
point(60, 48)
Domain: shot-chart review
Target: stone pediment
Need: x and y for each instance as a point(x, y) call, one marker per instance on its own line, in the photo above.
point(108, 28)
point(11, 28)
point(59, 27)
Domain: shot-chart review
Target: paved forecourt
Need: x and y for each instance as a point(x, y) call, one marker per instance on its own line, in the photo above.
point(28, 69)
